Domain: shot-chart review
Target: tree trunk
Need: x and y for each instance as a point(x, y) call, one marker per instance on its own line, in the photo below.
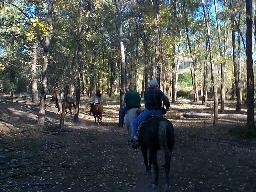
point(223, 91)
point(192, 68)
point(156, 63)
point(174, 75)
point(236, 70)
point(146, 61)
point(122, 55)
point(79, 73)
point(250, 8)
point(213, 70)
point(112, 70)
point(41, 115)
point(46, 46)
point(33, 75)
point(205, 78)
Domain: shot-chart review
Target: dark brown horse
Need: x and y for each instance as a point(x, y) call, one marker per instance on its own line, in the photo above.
point(97, 110)
point(157, 133)
point(67, 103)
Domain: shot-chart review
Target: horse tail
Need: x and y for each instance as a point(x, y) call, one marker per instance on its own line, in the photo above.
point(162, 137)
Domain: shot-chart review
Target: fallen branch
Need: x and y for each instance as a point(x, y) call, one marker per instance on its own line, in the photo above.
point(241, 117)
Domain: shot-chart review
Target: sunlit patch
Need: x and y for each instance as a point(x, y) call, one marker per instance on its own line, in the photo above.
point(22, 113)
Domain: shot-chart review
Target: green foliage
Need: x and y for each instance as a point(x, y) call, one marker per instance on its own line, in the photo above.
point(21, 85)
point(185, 94)
point(242, 131)
point(7, 86)
point(185, 79)
point(99, 51)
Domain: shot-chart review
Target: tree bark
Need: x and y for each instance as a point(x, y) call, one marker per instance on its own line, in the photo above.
point(223, 80)
point(34, 89)
point(156, 63)
point(192, 68)
point(46, 46)
point(250, 6)
point(78, 54)
point(175, 66)
point(213, 70)
point(122, 55)
point(236, 68)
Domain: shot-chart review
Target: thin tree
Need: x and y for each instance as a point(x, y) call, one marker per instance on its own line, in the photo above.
point(223, 67)
point(213, 70)
point(156, 64)
point(118, 4)
point(34, 89)
point(46, 47)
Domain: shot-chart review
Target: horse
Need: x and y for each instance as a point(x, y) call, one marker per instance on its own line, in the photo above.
point(129, 118)
point(157, 133)
point(97, 110)
point(69, 103)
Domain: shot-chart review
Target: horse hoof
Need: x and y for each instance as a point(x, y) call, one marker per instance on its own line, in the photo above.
point(167, 188)
point(148, 173)
point(154, 187)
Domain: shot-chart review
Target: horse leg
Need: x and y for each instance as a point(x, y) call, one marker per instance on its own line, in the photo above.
point(167, 155)
point(153, 158)
point(98, 120)
point(70, 109)
point(145, 157)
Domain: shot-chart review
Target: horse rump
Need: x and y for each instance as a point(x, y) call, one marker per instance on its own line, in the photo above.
point(97, 110)
point(157, 133)
point(154, 130)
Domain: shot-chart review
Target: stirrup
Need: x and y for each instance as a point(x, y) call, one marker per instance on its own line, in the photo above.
point(135, 144)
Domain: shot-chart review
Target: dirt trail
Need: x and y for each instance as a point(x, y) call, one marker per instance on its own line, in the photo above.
point(84, 157)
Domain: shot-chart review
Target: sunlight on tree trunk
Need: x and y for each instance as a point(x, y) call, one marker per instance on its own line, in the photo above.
point(33, 74)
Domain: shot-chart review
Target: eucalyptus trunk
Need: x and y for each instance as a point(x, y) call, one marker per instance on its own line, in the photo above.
point(174, 75)
point(213, 70)
point(205, 77)
point(78, 54)
point(46, 46)
point(146, 61)
point(157, 65)
point(223, 80)
point(236, 67)
point(34, 89)
point(122, 55)
point(192, 68)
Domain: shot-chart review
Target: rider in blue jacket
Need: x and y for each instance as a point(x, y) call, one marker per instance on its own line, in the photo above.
point(154, 98)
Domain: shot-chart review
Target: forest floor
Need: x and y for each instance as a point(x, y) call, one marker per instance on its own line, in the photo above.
point(84, 157)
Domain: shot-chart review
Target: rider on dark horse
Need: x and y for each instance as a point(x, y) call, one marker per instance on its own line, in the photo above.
point(95, 100)
point(132, 108)
point(153, 98)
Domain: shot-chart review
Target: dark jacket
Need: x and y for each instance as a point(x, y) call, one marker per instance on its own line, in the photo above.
point(132, 99)
point(154, 98)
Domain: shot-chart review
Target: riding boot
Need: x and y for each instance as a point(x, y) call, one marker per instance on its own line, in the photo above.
point(135, 142)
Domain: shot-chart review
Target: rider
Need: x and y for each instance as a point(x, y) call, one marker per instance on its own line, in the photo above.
point(132, 98)
point(132, 101)
point(153, 99)
point(96, 100)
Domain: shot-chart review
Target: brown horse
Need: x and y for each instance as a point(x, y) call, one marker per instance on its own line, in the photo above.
point(68, 101)
point(68, 104)
point(97, 110)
